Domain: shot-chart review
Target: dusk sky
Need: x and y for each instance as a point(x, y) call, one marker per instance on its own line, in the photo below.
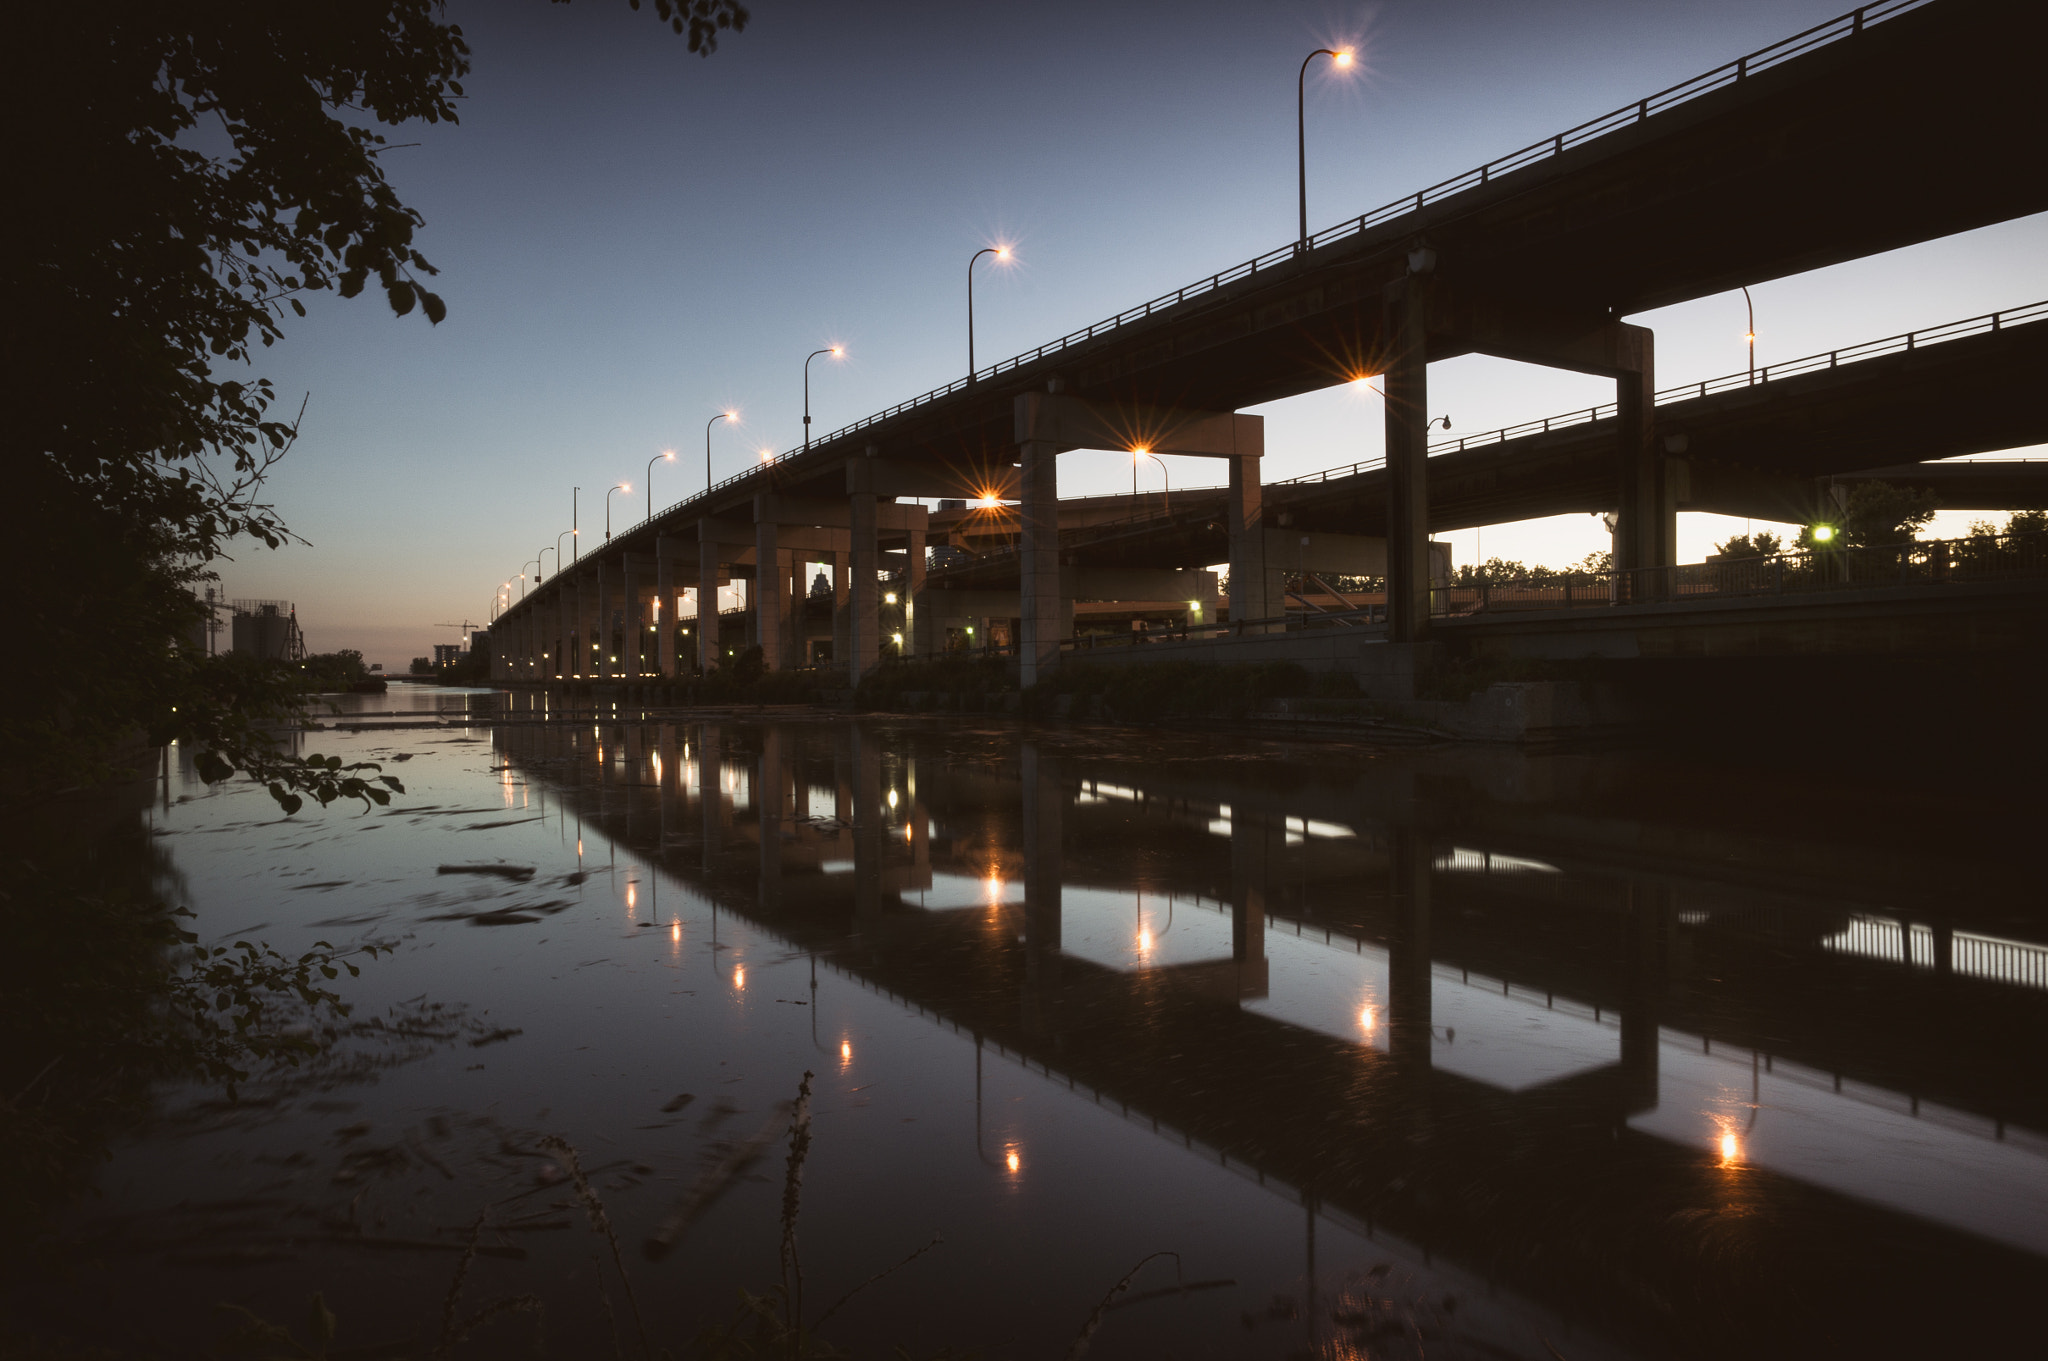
point(632, 238)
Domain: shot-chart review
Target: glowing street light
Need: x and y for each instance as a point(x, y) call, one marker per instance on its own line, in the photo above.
point(1823, 533)
point(668, 454)
point(558, 549)
point(576, 548)
point(721, 416)
point(1001, 253)
point(835, 351)
point(623, 486)
point(1342, 57)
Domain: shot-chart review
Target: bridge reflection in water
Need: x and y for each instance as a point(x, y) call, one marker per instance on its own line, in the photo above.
point(1621, 1040)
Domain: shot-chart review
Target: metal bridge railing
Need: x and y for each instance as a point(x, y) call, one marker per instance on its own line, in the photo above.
point(1828, 359)
point(1833, 30)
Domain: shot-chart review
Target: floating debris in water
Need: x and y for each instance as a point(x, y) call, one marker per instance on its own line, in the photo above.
point(502, 871)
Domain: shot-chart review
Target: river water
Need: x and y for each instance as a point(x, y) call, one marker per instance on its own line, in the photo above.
point(1401, 1052)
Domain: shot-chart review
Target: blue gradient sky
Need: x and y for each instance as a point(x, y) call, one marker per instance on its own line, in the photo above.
point(631, 238)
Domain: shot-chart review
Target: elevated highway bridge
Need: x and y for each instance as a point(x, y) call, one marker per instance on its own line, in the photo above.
point(1892, 125)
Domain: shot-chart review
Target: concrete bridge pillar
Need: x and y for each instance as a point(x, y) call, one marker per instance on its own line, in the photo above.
point(1038, 561)
point(565, 587)
point(1251, 586)
point(771, 594)
point(841, 581)
point(1407, 425)
point(913, 588)
point(607, 602)
point(633, 620)
point(864, 631)
point(707, 595)
point(665, 612)
point(1646, 531)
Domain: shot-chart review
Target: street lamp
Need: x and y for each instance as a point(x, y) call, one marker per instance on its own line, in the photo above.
point(721, 416)
point(835, 351)
point(535, 565)
point(577, 555)
point(1166, 496)
point(1001, 253)
point(558, 549)
point(1750, 335)
point(623, 486)
point(1343, 58)
point(554, 548)
point(668, 454)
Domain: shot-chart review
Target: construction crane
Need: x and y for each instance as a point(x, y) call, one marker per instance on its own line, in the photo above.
point(465, 626)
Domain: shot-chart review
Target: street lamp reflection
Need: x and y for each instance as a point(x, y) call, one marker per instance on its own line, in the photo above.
point(1012, 1159)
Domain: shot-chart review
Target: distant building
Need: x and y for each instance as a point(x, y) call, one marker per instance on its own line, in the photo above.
point(447, 654)
point(268, 629)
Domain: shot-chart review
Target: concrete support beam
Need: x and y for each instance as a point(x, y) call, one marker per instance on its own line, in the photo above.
point(1044, 874)
point(665, 612)
point(607, 588)
point(842, 580)
point(913, 586)
point(1038, 560)
point(1407, 442)
point(707, 595)
point(1075, 423)
point(864, 630)
point(1251, 586)
point(771, 597)
point(1646, 534)
point(632, 623)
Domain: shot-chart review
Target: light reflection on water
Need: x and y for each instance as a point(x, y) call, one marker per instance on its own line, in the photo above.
point(1295, 1020)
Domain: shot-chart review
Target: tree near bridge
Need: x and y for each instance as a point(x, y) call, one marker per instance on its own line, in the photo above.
point(187, 172)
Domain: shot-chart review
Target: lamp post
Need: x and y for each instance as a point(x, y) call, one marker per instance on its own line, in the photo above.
point(535, 565)
point(558, 549)
point(721, 416)
point(577, 547)
point(1342, 58)
point(623, 486)
point(551, 548)
point(1001, 253)
point(835, 351)
point(1166, 496)
point(668, 454)
point(1750, 335)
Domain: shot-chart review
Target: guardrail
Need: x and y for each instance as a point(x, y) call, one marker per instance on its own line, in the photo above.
point(1833, 30)
point(1827, 359)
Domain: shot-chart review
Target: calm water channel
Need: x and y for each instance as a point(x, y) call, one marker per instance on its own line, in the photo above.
point(1448, 1052)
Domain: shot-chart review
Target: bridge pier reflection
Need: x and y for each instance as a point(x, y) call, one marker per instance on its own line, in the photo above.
point(1044, 826)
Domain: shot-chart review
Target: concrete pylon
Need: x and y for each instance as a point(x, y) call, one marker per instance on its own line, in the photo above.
point(664, 609)
point(864, 627)
point(707, 595)
point(1244, 512)
point(1646, 531)
point(1407, 442)
point(771, 597)
point(1038, 561)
